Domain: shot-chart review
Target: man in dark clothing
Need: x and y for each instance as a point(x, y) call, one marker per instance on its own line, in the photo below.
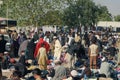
point(6, 59)
point(112, 49)
point(18, 66)
point(62, 39)
point(2, 50)
point(2, 44)
point(22, 58)
point(86, 71)
point(29, 52)
point(86, 38)
point(36, 36)
point(22, 68)
point(15, 47)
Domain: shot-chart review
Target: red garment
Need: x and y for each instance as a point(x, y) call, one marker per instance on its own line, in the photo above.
point(47, 46)
point(48, 62)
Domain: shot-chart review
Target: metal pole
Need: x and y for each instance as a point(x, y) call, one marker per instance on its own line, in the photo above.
point(1, 2)
point(0, 70)
point(1, 58)
point(7, 14)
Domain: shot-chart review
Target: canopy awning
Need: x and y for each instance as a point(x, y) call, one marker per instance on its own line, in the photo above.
point(4, 22)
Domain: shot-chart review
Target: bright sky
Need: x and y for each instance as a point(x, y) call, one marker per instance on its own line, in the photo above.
point(112, 5)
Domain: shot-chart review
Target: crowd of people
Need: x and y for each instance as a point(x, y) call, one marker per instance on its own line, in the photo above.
point(61, 55)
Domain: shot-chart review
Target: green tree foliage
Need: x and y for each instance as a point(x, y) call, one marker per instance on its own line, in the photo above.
point(103, 14)
point(117, 18)
point(54, 12)
point(52, 18)
point(29, 12)
point(81, 12)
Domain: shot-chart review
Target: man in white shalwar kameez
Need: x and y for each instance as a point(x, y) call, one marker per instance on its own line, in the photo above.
point(58, 49)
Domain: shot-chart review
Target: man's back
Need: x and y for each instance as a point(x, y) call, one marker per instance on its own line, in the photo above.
point(105, 69)
point(60, 73)
point(2, 46)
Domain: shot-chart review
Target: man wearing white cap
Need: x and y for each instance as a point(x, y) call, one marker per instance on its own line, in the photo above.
point(73, 75)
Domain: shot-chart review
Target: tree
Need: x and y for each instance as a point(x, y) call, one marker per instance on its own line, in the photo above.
point(27, 12)
point(117, 18)
point(81, 13)
point(54, 12)
point(103, 14)
point(52, 18)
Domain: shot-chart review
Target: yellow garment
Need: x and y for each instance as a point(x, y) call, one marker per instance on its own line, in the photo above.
point(31, 67)
point(42, 58)
point(77, 38)
point(93, 49)
point(38, 79)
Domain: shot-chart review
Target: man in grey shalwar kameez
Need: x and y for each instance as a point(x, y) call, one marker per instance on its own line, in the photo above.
point(60, 71)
